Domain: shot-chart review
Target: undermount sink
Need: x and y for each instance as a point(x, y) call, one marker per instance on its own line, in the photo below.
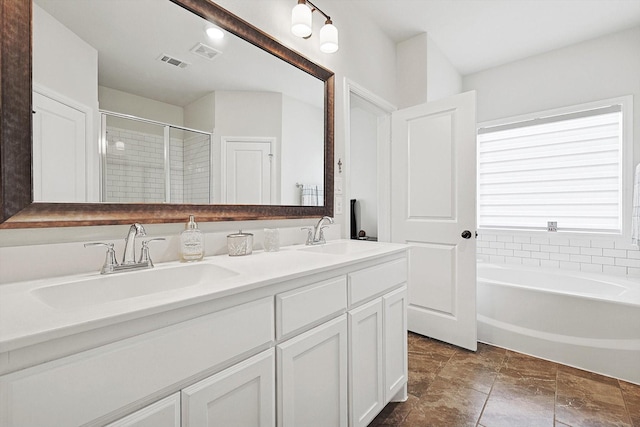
point(102, 289)
point(343, 247)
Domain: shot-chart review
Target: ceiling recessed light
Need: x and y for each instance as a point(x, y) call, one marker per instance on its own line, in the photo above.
point(214, 33)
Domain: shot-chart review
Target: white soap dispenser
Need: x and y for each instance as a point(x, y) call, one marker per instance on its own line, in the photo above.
point(191, 242)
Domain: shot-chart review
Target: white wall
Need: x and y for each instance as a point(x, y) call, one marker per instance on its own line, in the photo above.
point(62, 61)
point(302, 148)
point(602, 68)
point(134, 105)
point(424, 73)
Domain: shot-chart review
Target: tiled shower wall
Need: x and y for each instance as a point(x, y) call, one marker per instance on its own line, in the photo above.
point(136, 174)
point(197, 167)
point(582, 254)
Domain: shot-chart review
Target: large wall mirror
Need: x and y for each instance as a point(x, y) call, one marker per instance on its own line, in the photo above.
point(133, 113)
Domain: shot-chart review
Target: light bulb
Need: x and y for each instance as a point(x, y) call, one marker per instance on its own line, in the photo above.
point(214, 33)
point(301, 20)
point(329, 38)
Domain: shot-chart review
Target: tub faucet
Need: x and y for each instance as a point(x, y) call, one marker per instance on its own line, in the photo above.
point(316, 235)
point(129, 253)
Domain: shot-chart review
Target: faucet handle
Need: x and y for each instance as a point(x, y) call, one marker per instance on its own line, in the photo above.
point(145, 257)
point(110, 262)
point(309, 234)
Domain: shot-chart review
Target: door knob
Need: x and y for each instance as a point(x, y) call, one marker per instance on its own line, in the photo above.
point(466, 234)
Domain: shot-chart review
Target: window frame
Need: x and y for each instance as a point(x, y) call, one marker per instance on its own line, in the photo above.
point(626, 150)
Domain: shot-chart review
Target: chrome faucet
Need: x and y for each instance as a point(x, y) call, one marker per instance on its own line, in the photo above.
point(129, 253)
point(128, 258)
point(315, 234)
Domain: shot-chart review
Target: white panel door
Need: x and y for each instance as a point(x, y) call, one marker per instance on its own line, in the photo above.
point(248, 176)
point(366, 363)
point(240, 396)
point(163, 413)
point(434, 210)
point(59, 159)
point(312, 377)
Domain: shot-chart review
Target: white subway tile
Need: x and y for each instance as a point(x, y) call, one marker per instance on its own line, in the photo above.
point(489, 237)
point(560, 241)
point(618, 253)
point(505, 252)
point(522, 254)
point(513, 260)
point(591, 268)
point(505, 238)
point(604, 244)
point(540, 240)
point(617, 270)
point(626, 244)
point(496, 259)
point(633, 271)
point(580, 258)
point(580, 242)
point(549, 264)
point(550, 248)
point(513, 246)
point(496, 245)
point(628, 262)
point(489, 251)
point(540, 255)
point(531, 262)
point(591, 251)
point(521, 239)
point(603, 260)
point(482, 244)
point(567, 265)
point(560, 257)
point(569, 250)
point(633, 254)
point(528, 247)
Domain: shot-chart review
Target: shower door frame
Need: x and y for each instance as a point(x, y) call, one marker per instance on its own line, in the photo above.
point(102, 150)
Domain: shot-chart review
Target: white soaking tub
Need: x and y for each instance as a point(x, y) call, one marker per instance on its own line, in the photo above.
point(589, 321)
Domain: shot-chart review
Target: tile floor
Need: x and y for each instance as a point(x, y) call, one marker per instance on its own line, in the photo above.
point(494, 387)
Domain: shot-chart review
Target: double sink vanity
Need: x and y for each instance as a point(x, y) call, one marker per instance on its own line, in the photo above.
point(307, 336)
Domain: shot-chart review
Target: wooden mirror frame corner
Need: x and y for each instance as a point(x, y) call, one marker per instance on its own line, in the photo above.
point(17, 208)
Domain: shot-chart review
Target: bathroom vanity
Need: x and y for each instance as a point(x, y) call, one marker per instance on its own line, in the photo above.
point(307, 336)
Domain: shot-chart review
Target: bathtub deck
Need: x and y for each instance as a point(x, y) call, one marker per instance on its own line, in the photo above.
point(449, 386)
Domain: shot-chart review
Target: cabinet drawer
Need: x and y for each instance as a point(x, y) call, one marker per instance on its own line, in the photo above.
point(310, 305)
point(119, 374)
point(374, 281)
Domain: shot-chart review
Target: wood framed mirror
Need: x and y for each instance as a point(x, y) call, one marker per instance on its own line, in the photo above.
point(17, 206)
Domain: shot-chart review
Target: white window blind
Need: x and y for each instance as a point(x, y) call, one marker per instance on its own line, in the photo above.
point(566, 169)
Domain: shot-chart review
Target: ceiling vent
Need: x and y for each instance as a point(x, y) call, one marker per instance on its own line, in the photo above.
point(173, 61)
point(205, 51)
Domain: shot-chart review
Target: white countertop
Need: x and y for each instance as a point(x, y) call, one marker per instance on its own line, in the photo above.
point(25, 319)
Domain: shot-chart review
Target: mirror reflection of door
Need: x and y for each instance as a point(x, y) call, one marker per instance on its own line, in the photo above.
point(248, 175)
point(58, 151)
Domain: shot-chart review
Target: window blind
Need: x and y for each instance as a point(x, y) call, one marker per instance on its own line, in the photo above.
point(563, 168)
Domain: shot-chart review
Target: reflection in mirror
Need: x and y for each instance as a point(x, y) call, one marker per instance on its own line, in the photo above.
point(135, 104)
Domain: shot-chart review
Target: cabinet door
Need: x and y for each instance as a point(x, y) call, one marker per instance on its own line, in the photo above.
point(395, 341)
point(312, 377)
point(163, 413)
point(366, 364)
point(240, 396)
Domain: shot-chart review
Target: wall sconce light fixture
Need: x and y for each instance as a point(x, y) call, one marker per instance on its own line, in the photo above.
point(301, 26)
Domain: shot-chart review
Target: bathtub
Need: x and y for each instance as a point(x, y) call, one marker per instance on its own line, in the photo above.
point(589, 321)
